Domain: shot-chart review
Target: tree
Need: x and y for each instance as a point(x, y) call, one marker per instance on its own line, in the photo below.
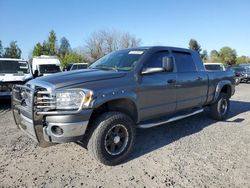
point(194, 45)
point(47, 47)
point(73, 57)
point(129, 41)
point(228, 55)
point(204, 55)
point(242, 59)
point(64, 47)
point(13, 51)
point(214, 56)
point(52, 43)
point(105, 41)
point(1, 49)
point(38, 50)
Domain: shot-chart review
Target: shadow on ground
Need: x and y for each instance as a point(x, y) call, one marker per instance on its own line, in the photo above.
point(152, 139)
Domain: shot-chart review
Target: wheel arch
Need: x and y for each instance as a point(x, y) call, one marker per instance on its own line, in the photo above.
point(125, 105)
point(225, 87)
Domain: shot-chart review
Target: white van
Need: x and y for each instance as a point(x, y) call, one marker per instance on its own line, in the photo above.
point(13, 71)
point(45, 65)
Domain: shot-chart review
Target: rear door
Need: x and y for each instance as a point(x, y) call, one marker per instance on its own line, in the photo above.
point(157, 93)
point(191, 84)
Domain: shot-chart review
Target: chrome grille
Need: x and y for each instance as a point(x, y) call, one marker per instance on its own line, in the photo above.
point(45, 101)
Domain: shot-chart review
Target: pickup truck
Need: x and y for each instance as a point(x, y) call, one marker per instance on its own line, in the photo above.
point(13, 71)
point(132, 88)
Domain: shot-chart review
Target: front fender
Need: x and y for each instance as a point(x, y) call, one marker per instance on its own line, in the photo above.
point(114, 95)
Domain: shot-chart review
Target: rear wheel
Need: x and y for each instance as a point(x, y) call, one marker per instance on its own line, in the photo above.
point(112, 138)
point(220, 109)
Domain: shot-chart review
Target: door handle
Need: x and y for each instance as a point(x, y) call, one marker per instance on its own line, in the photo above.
point(172, 81)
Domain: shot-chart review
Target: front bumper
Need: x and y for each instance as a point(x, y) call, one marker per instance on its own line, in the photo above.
point(48, 129)
point(6, 88)
point(5, 94)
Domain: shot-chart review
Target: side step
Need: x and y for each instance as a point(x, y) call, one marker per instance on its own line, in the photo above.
point(156, 123)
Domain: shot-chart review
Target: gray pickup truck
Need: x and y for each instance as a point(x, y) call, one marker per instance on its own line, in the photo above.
point(133, 88)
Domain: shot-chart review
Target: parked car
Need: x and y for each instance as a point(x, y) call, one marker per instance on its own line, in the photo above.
point(77, 66)
point(241, 73)
point(13, 71)
point(45, 65)
point(215, 67)
point(246, 66)
point(132, 88)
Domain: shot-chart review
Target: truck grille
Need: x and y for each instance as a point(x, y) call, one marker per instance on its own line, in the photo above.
point(45, 100)
point(5, 87)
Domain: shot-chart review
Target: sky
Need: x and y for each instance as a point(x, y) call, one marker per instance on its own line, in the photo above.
point(214, 23)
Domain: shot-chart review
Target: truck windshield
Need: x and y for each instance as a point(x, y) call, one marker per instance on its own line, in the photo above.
point(238, 69)
point(49, 68)
point(124, 60)
point(246, 67)
point(14, 67)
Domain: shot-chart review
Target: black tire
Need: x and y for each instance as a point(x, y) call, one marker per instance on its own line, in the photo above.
point(220, 109)
point(112, 138)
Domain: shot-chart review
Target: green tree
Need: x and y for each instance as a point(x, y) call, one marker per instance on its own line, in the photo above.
point(72, 57)
point(214, 56)
point(194, 45)
point(13, 51)
point(204, 56)
point(64, 47)
point(228, 55)
point(1, 49)
point(242, 59)
point(38, 49)
point(52, 43)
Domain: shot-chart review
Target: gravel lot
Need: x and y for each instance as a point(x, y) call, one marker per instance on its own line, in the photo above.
point(194, 152)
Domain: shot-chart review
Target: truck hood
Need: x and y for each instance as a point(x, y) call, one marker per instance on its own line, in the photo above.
point(70, 78)
point(14, 77)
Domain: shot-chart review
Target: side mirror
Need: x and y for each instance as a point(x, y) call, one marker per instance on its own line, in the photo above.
point(168, 64)
point(35, 73)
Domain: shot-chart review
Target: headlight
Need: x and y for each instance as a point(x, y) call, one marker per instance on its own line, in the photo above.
point(73, 99)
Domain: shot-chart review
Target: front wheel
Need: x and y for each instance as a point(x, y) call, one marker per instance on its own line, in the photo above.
point(112, 138)
point(220, 109)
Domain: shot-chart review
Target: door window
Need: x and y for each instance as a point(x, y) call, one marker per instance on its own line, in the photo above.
point(184, 62)
point(157, 59)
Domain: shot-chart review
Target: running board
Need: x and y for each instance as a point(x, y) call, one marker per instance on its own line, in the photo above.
point(149, 125)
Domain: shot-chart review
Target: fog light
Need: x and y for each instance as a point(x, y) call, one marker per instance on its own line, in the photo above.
point(56, 130)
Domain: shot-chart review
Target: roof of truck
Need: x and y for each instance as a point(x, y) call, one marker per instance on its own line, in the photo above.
point(159, 47)
point(45, 57)
point(12, 59)
point(213, 63)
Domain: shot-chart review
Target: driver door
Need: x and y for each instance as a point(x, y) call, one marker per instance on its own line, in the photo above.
point(157, 92)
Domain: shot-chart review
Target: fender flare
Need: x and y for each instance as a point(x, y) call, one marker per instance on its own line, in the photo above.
point(219, 87)
point(108, 97)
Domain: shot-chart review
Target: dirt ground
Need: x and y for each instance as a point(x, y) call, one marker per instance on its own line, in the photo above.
point(194, 152)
